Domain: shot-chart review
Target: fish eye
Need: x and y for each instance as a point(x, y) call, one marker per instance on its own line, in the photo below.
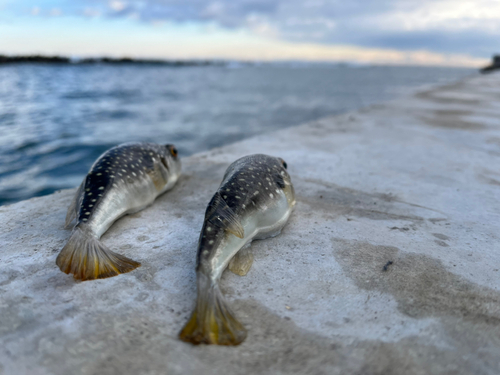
point(173, 150)
point(283, 163)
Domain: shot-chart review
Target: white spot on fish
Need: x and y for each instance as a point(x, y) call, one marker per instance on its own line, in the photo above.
point(225, 196)
point(101, 188)
point(209, 229)
point(205, 252)
point(87, 213)
point(84, 219)
point(237, 197)
point(91, 205)
point(89, 194)
point(87, 189)
point(271, 195)
point(210, 242)
point(93, 200)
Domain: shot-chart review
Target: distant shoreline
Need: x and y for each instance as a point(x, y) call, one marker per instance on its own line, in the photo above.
point(30, 59)
point(64, 60)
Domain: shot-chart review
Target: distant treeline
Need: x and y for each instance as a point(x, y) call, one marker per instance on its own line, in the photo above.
point(103, 60)
point(495, 65)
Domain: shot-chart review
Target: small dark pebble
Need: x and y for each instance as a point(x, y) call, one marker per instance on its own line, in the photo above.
point(401, 229)
point(386, 267)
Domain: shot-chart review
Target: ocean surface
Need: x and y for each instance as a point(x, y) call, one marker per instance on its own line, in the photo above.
point(55, 120)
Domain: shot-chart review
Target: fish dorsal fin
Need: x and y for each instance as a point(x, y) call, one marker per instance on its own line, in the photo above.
point(222, 216)
point(74, 207)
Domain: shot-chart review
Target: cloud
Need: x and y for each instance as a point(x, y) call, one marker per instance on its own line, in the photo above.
point(451, 27)
point(55, 12)
point(90, 12)
point(117, 6)
point(454, 26)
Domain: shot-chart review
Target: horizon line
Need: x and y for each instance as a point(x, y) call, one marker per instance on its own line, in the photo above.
point(199, 61)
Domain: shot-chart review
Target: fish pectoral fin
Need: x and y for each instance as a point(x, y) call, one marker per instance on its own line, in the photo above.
point(222, 216)
point(237, 230)
point(158, 176)
point(279, 180)
point(241, 262)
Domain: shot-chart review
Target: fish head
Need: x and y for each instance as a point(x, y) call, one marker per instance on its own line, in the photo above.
point(170, 160)
point(288, 186)
point(283, 163)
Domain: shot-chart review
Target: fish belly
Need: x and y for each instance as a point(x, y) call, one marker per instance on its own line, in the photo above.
point(260, 225)
point(123, 201)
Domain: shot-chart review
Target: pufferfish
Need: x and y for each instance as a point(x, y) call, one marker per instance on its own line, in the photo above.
point(123, 180)
point(254, 201)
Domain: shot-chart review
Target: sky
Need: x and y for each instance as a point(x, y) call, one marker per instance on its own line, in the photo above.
point(403, 32)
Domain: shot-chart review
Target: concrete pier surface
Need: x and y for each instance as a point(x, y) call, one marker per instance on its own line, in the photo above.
point(415, 182)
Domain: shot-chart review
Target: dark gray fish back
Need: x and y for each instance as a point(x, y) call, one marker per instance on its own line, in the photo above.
point(253, 181)
point(250, 183)
point(118, 166)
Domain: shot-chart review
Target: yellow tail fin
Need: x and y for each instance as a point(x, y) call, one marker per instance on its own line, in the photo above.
point(212, 322)
point(87, 259)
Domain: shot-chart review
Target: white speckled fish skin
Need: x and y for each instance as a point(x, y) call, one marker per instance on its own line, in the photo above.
point(258, 189)
point(125, 179)
point(254, 201)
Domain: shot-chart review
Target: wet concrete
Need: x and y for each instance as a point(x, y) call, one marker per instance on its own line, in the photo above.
point(389, 264)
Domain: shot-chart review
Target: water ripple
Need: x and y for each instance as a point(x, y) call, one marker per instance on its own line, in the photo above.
point(56, 120)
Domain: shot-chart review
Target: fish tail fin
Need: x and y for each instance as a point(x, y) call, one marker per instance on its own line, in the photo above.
point(212, 321)
point(87, 258)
